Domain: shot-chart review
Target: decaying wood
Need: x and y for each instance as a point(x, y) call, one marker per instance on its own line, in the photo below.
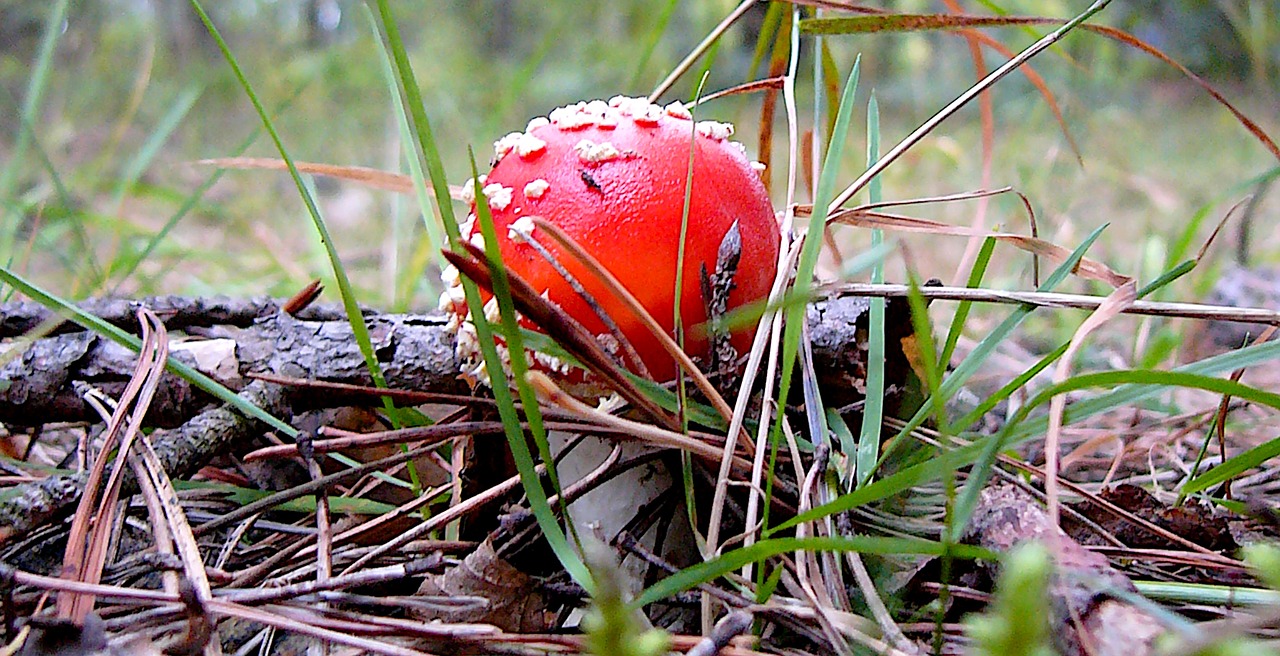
point(46, 382)
point(178, 313)
point(415, 352)
point(1091, 612)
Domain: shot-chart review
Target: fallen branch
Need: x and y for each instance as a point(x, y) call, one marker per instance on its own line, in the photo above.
point(46, 383)
point(47, 380)
point(177, 312)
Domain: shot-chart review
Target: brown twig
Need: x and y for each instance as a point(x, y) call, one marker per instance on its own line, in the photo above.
point(1055, 300)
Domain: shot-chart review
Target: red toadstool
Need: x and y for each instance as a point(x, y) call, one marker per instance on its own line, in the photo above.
point(612, 176)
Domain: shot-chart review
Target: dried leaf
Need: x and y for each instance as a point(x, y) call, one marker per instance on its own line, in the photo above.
point(514, 604)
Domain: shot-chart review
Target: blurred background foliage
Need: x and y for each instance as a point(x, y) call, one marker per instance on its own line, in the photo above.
point(137, 92)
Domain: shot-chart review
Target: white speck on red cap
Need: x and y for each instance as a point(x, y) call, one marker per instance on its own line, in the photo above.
point(572, 117)
point(536, 188)
point(491, 311)
point(523, 143)
point(499, 196)
point(505, 145)
point(677, 110)
point(590, 152)
point(714, 130)
point(650, 115)
point(529, 145)
point(469, 188)
point(608, 120)
point(640, 110)
point(520, 230)
point(450, 275)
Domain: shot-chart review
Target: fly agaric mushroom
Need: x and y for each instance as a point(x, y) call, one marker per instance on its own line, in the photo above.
point(612, 176)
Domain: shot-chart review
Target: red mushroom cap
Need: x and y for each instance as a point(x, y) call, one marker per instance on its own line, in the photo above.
point(612, 176)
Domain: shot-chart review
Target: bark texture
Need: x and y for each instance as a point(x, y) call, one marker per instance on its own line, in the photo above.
point(1092, 616)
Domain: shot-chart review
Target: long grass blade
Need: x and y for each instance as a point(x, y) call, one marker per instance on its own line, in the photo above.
point(873, 408)
point(708, 571)
point(37, 84)
point(538, 502)
point(349, 302)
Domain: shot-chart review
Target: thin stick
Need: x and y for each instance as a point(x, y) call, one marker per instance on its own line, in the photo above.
point(1055, 300)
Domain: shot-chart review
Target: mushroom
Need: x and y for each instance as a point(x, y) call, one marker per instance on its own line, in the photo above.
point(612, 177)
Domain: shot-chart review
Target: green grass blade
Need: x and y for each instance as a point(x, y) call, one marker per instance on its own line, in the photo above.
point(538, 502)
point(138, 164)
point(987, 346)
point(677, 321)
point(427, 151)
point(813, 236)
point(708, 571)
point(803, 284)
point(929, 361)
point(1009, 388)
point(767, 35)
point(349, 302)
point(67, 205)
point(124, 268)
point(1204, 594)
point(435, 238)
point(873, 408)
point(423, 143)
point(979, 270)
point(896, 483)
point(37, 84)
point(651, 42)
point(1131, 394)
point(848, 444)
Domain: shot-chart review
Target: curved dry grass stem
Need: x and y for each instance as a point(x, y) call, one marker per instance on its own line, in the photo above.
point(369, 177)
point(770, 326)
point(86, 550)
point(612, 326)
